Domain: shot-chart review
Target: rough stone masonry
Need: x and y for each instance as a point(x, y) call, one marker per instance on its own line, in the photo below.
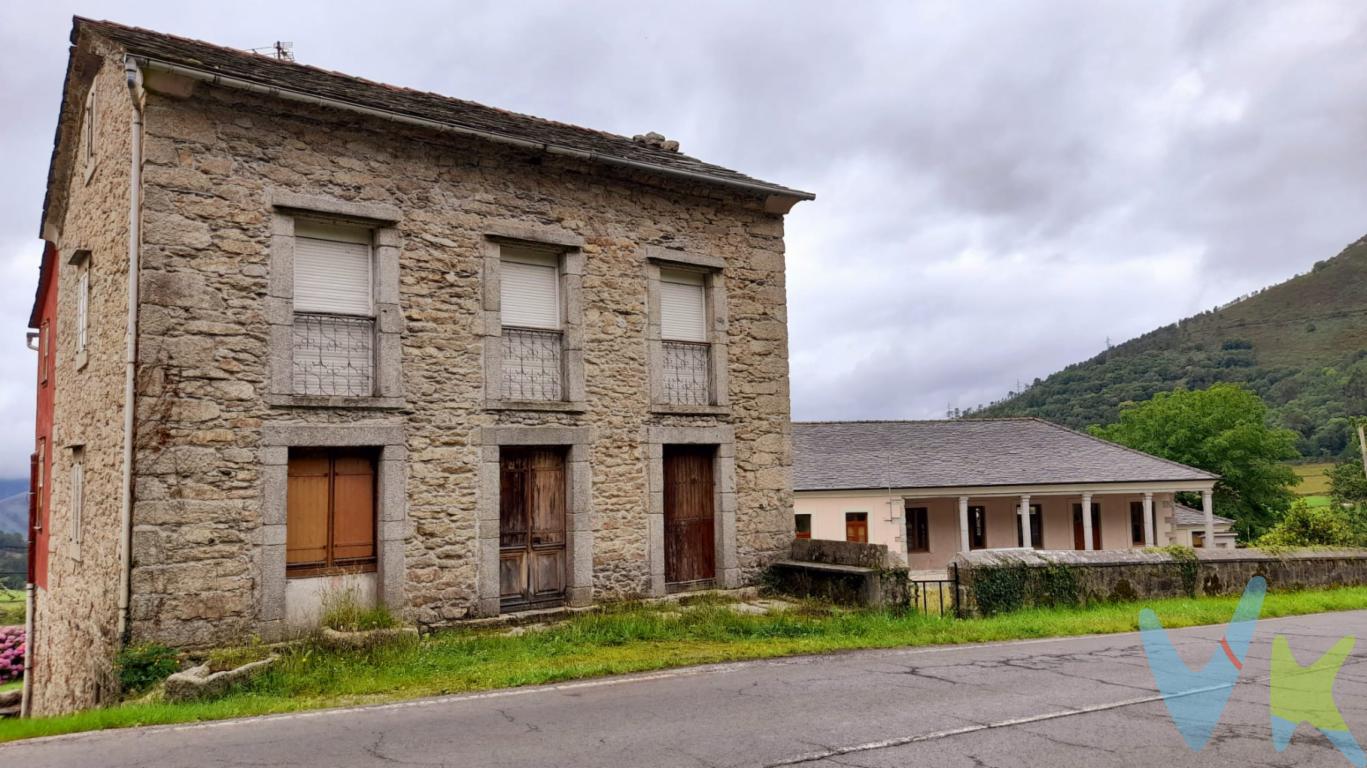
point(224, 173)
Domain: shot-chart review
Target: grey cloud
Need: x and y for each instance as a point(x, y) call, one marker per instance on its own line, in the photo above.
point(1000, 186)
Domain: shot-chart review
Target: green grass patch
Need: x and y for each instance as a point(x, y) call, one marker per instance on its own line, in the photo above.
point(636, 638)
point(12, 685)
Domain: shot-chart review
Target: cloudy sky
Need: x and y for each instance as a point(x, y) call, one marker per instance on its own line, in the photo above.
point(1001, 186)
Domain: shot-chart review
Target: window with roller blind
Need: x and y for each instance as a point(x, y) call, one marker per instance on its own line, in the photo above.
point(334, 310)
point(330, 512)
point(531, 317)
point(686, 369)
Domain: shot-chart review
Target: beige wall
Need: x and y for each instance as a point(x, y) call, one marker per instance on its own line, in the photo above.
point(76, 616)
point(828, 521)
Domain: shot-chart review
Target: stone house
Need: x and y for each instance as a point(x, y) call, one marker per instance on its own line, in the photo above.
point(313, 334)
point(932, 489)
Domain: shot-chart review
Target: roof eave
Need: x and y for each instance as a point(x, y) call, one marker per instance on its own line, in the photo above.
point(777, 199)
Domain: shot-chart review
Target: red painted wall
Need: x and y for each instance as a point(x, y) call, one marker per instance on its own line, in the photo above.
point(44, 320)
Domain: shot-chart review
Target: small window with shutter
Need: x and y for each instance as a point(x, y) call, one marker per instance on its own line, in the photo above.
point(334, 323)
point(530, 315)
point(687, 363)
point(330, 511)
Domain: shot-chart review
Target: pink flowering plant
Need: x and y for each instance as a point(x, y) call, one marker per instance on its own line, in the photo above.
point(11, 654)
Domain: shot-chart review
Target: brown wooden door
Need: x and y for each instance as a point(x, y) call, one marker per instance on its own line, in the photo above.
point(531, 526)
point(690, 527)
point(857, 527)
point(1079, 537)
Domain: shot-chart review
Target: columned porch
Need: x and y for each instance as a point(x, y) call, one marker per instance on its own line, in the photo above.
point(935, 526)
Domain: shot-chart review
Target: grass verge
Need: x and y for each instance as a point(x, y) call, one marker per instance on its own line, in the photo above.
point(635, 638)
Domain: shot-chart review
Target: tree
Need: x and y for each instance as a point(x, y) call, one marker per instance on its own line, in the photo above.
point(1347, 484)
point(1307, 526)
point(1222, 430)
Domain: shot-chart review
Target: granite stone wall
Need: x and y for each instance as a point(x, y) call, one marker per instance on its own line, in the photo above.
point(218, 162)
point(1047, 577)
point(75, 635)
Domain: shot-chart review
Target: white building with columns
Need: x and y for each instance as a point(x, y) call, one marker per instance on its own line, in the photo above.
point(931, 489)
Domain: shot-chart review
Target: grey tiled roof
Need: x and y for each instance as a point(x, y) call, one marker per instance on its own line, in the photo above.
point(271, 72)
point(1186, 517)
point(840, 455)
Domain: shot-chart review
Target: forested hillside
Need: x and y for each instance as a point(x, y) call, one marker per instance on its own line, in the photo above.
point(1301, 345)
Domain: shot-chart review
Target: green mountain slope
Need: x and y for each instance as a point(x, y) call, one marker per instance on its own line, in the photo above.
point(1301, 345)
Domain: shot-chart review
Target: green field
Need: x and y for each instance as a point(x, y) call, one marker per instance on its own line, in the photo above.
point(11, 607)
point(1313, 480)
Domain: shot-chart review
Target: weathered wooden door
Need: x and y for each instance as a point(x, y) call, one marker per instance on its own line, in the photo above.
point(690, 526)
point(1079, 534)
point(531, 527)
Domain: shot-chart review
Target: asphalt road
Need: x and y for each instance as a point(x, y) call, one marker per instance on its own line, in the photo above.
point(1068, 702)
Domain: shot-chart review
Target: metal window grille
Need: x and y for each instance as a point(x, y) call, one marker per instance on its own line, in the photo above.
point(687, 373)
point(334, 355)
point(532, 368)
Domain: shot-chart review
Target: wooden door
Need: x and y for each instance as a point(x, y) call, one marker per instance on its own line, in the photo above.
point(1079, 534)
point(857, 527)
point(690, 526)
point(532, 527)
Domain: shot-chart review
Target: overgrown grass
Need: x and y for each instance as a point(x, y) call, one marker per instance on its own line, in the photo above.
point(635, 638)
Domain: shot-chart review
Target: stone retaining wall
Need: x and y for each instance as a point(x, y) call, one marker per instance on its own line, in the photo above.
point(997, 580)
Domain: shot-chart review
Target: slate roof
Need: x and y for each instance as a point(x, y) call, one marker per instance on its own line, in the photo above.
point(848, 455)
point(269, 71)
point(1187, 517)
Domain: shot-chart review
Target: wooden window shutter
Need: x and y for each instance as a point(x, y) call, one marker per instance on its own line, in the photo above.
point(353, 500)
point(683, 306)
point(332, 269)
point(306, 524)
point(529, 288)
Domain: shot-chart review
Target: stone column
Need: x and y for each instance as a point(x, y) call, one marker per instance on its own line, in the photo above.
point(1027, 541)
point(1148, 519)
point(963, 523)
point(1087, 521)
point(1208, 507)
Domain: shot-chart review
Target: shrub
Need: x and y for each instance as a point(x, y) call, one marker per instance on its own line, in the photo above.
point(1000, 589)
point(144, 665)
point(11, 654)
point(1307, 526)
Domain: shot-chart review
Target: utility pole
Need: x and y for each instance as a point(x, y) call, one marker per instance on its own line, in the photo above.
point(1362, 442)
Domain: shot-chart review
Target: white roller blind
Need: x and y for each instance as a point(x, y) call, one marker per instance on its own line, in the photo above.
point(529, 287)
point(332, 270)
point(683, 306)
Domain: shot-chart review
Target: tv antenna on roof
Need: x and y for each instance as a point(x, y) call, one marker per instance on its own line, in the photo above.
point(284, 51)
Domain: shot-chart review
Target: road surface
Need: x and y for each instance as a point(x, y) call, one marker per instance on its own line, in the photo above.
point(1081, 701)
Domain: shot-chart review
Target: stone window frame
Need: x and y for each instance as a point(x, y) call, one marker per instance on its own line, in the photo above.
point(89, 113)
point(82, 260)
point(713, 270)
point(578, 512)
point(571, 247)
point(724, 499)
point(380, 219)
point(391, 514)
